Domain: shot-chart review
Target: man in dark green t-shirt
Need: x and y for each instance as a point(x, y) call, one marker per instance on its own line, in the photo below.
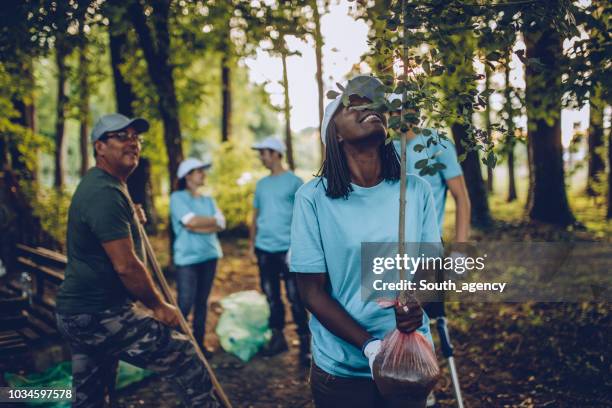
point(106, 272)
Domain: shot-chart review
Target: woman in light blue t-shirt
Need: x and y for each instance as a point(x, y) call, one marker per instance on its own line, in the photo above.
point(355, 200)
point(195, 223)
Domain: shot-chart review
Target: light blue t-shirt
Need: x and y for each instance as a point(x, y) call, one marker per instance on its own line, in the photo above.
point(446, 155)
point(326, 236)
point(274, 197)
point(192, 247)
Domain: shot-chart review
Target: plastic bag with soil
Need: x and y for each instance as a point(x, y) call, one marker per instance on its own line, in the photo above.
point(406, 367)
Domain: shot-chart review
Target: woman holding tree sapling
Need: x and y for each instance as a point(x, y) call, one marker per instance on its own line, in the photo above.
point(355, 199)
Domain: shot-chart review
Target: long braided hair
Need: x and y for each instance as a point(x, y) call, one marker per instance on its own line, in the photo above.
point(335, 166)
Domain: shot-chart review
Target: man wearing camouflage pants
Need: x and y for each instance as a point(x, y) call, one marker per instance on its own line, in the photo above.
point(106, 272)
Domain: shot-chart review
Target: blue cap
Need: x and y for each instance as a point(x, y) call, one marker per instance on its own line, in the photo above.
point(116, 121)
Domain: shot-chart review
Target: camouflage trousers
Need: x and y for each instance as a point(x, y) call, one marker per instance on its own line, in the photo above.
point(98, 340)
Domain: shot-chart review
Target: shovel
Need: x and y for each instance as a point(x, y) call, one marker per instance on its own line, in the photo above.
point(447, 352)
point(183, 323)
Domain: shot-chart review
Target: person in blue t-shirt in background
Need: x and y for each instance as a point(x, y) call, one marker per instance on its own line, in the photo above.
point(450, 178)
point(196, 219)
point(355, 199)
point(269, 242)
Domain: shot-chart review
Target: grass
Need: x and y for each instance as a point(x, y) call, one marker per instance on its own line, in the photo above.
point(589, 211)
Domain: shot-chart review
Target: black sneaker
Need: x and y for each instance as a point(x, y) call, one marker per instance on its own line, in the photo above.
point(276, 345)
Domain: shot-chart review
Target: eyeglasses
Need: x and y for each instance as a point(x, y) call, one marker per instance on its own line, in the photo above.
point(123, 136)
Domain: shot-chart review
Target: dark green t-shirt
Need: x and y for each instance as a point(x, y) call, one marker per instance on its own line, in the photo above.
point(100, 211)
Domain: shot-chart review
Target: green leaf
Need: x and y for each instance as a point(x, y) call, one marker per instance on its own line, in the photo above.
point(345, 100)
point(394, 122)
point(392, 24)
point(487, 92)
point(437, 70)
point(411, 118)
point(461, 157)
point(439, 166)
point(494, 56)
point(521, 55)
point(421, 163)
point(426, 132)
point(491, 160)
point(418, 148)
point(332, 94)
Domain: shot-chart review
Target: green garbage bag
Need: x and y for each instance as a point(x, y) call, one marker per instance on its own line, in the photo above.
point(243, 326)
point(60, 376)
point(129, 374)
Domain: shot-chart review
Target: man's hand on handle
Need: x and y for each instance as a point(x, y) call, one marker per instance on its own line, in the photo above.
point(140, 214)
point(167, 314)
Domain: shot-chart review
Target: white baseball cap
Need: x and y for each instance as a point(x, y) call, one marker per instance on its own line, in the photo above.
point(272, 143)
point(190, 164)
point(365, 85)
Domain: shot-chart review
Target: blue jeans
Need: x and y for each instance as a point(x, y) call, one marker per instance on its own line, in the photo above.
point(272, 268)
point(194, 283)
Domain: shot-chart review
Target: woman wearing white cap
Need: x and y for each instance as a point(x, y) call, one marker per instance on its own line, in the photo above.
point(354, 200)
point(195, 221)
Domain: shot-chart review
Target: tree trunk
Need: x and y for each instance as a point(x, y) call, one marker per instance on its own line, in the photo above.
point(62, 99)
point(226, 97)
point(26, 119)
point(157, 55)
point(118, 40)
point(609, 214)
point(139, 182)
point(489, 127)
point(84, 107)
point(597, 166)
point(481, 216)
point(548, 200)
point(510, 139)
point(318, 39)
point(287, 110)
point(141, 190)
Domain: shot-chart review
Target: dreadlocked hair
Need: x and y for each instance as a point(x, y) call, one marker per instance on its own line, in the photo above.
point(335, 166)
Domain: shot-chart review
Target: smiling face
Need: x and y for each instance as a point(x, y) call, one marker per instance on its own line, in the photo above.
point(120, 149)
point(358, 126)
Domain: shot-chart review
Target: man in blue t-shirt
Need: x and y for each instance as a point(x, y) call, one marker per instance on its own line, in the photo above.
point(269, 242)
point(448, 178)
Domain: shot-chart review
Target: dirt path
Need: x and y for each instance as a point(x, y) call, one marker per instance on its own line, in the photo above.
point(508, 355)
